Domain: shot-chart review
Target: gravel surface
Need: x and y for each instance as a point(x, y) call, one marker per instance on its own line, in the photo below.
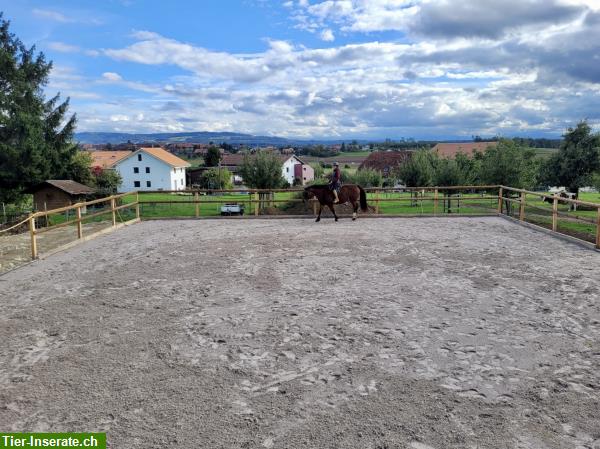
point(380, 333)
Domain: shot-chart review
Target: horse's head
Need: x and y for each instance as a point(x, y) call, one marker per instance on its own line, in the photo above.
point(307, 194)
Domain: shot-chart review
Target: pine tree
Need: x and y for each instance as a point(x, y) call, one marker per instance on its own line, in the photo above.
point(35, 142)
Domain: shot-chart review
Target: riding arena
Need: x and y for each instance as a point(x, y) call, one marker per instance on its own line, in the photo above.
point(474, 330)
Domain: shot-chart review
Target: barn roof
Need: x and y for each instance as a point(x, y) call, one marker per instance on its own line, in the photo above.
point(385, 161)
point(450, 150)
point(66, 185)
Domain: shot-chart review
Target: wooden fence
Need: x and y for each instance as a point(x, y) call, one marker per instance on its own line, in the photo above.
point(499, 200)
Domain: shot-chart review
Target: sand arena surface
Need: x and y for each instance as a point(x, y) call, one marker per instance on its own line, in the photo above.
point(382, 333)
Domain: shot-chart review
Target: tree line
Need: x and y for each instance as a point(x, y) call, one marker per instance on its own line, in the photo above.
point(576, 164)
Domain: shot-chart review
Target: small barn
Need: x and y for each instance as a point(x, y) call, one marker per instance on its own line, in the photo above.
point(55, 193)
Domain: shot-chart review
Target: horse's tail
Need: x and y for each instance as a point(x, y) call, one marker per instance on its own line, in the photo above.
point(363, 199)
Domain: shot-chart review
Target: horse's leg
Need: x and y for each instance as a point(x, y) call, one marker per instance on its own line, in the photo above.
point(319, 216)
point(355, 206)
point(333, 210)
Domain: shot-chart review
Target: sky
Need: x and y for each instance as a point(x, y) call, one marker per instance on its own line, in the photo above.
point(373, 69)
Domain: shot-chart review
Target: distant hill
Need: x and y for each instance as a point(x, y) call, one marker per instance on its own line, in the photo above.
point(196, 137)
point(231, 138)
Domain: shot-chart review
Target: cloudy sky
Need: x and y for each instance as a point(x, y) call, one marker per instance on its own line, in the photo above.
point(325, 69)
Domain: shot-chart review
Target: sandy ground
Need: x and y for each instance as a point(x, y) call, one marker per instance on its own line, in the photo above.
point(383, 333)
point(15, 249)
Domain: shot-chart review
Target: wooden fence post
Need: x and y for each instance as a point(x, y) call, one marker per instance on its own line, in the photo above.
point(435, 201)
point(256, 204)
point(522, 207)
point(377, 202)
point(34, 252)
point(79, 225)
point(555, 213)
point(598, 230)
point(500, 200)
point(112, 208)
point(137, 205)
point(197, 200)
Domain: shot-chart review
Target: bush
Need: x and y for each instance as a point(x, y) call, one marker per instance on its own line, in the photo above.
point(364, 178)
point(215, 178)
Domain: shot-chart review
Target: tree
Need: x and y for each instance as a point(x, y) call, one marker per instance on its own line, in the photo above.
point(213, 157)
point(419, 170)
point(576, 161)
point(263, 171)
point(80, 168)
point(107, 182)
point(35, 136)
point(216, 178)
point(509, 164)
point(364, 178)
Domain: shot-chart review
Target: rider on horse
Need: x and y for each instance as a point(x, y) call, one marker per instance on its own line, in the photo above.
point(335, 182)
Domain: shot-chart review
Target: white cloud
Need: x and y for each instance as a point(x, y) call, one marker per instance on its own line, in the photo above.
point(112, 76)
point(63, 48)
point(51, 15)
point(514, 74)
point(327, 35)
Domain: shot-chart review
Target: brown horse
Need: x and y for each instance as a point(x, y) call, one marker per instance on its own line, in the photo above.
point(349, 193)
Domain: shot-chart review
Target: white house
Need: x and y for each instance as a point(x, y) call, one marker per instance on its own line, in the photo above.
point(295, 169)
point(152, 169)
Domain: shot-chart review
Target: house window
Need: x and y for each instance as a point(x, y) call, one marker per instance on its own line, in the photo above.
point(304, 168)
point(136, 169)
point(287, 169)
point(147, 169)
point(148, 184)
point(136, 183)
point(139, 156)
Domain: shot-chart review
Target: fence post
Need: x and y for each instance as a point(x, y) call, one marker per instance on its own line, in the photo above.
point(112, 208)
point(500, 201)
point(197, 200)
point(435, 201)
point(34, 252)
point(522, 207)
point(137, 205)
point(555, 213)
point(377, 202)
point(256, 204)
point(79, 225)
point(598, 230)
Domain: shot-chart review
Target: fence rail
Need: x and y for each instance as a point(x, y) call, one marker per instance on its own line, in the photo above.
point(524, 205)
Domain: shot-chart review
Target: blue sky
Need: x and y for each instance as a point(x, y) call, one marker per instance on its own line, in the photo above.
point(321, 68)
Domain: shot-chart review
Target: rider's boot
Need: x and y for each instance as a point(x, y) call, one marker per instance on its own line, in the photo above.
point(337, 198)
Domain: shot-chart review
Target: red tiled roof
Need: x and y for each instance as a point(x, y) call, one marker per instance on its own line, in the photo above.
point(165, 156)
point(385, 161)
point(106, 159)
point(450, 150)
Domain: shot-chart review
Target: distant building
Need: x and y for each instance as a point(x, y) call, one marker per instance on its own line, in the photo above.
point(152, 169)
point(450, 150)
point(292, 168)
point(385, 162)
point(55, 193)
